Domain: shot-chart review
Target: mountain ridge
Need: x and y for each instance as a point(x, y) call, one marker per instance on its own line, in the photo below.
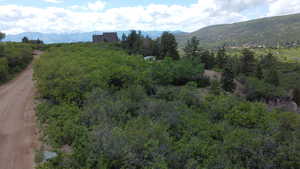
point(268, 31)
point(74, 37)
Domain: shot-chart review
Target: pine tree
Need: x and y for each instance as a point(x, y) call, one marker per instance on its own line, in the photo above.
point(192, 48)
point(25, 39)
point(259, 72)
point(296, 96)
point(248, 63)
point(221, 58)
point(272, 77)
point(1, 51)
point(168, 46)
point(268, 61)
point(208, 59)
point(215, 87)
point(2, 36)
point(228, 79)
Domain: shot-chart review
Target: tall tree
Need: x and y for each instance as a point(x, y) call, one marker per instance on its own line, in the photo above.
point(192, 48)
point(133, 45)
point(296, 96)
point(2, 51)
point(222, 58)
point(208, 59)
point(2, 36)
point(268, 61)
point(25, 39)
point(228, 78)
point(259, 72)
point(168, 46)
point(272, 77)
point(248, 63)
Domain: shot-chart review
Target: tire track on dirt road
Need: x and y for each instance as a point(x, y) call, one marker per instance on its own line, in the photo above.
point(18, 132)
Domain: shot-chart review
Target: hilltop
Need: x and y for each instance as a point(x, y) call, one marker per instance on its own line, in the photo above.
point(265, 31)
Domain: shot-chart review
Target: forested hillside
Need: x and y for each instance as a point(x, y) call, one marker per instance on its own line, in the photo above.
point(266, 31)
point(115, 110)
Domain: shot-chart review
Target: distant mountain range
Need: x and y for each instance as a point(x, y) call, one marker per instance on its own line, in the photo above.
point(74, 37)
point(266, 31)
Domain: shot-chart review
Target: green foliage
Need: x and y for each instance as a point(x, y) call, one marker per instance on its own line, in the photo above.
point(248, 115)
point(259, 72)
point(178, 72)
point(215, 87)
point(3, 69)
point(228, 79)
point(119, 111)
point(296, 96)
point(192, 48)
point(2, 36)
point(208, 59)
point(222, 58)
point(268, 61)
point(136, 43)
point(248, 63)
point(271, 76)
point(168, 46)
point(14, 57)
point(25, 40)
point(256, 89)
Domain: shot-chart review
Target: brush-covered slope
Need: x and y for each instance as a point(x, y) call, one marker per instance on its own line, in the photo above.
point(266, 31)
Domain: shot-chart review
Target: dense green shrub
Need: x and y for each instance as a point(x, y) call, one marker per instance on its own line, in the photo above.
point(97, 100)
point(179, 72)
point(14, 57)
point(3, 69)
point(256, 89)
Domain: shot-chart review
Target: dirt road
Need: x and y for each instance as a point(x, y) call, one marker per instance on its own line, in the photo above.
point(17, 123)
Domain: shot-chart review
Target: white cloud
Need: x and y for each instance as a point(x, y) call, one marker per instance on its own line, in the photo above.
point(16, 19)
point(283, 7)
point(96, 6)
point(53, 1)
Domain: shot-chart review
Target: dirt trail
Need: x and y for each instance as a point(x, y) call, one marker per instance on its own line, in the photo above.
point(18, 133)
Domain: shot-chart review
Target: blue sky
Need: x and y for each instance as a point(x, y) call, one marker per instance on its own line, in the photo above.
point(63, 16)
point(111, 4)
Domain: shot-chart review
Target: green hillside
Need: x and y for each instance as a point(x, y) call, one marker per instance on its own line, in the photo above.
point(266, 31)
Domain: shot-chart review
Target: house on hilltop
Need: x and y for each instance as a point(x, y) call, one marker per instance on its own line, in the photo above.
point(106, 37)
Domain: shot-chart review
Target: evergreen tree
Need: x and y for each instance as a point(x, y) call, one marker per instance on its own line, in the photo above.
point(124, 37)
point(215, 87)
point(259, 72)
point(192, 48)
point(248, 65)
point(147, 46)
point(1, 51)
point(272, 77)
point(296, 96)
point(208, 59)
point(235, 60)
point(228, 78)
point(222, 57)
point(2, 36)
point(268, 61)
point(168, 46)
point(132, 41)
point(25, 40)
point(124, 41)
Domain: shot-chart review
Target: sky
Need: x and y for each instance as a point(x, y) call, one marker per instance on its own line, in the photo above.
point(69, 16)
